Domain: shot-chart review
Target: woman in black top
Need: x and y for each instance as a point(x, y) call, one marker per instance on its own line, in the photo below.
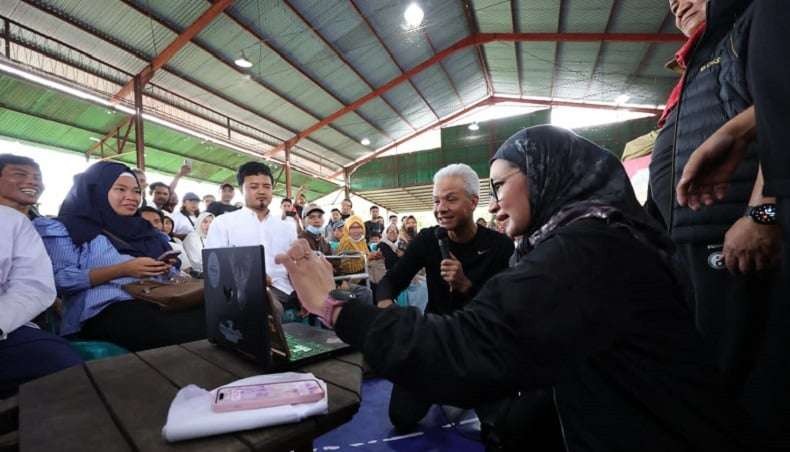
point(590, 320)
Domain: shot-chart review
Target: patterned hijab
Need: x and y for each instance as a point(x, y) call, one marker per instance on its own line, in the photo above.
point(571, 178)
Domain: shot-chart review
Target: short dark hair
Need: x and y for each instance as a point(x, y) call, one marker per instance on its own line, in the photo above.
point(393, 216)
point(253, 169)
point(349, 201)
point(226, 185)
point(285, 200)
point(152, 188)
point(11, 159)
point(151, 209)
point(374, 207)
point(375, 234)
point(335, 210)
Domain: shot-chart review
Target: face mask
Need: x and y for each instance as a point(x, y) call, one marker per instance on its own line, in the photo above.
point(315, 230)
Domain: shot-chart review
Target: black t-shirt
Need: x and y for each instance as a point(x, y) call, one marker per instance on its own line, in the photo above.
point(218, 208)
point(373, 226)
point(482, 257)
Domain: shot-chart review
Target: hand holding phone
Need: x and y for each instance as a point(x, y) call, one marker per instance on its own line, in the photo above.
point(168, 256)
point(250, 397)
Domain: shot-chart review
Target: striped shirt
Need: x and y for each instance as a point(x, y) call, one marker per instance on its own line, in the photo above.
point(72, 266)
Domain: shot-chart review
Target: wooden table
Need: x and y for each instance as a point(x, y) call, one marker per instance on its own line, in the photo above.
point(121, 403)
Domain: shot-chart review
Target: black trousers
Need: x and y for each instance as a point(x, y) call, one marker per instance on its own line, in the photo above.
point(138, 325)
point(730, 311)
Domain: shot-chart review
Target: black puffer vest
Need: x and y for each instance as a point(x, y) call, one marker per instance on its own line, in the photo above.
point(715, 90)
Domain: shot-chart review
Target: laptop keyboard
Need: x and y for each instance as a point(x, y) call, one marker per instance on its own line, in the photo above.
point(302, 348)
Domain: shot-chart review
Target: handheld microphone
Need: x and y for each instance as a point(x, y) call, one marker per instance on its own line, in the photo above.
point(444, 247)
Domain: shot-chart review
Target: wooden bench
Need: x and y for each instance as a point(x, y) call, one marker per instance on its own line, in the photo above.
point(121, 403)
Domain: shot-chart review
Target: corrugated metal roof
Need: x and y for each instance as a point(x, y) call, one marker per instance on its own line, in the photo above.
point(314, 57)
point(40, 115)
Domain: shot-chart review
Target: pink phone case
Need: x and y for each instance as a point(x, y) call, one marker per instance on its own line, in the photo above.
point(235, 398)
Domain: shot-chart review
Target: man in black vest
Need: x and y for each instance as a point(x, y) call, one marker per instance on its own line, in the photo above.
point(730, 251)
point(475, 255)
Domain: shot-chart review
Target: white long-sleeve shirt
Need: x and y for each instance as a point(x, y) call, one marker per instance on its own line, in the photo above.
point(242, 228)
point(27, 285)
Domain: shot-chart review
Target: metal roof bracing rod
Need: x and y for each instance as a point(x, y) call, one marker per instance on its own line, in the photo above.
point(170, 51)
point(476, 40)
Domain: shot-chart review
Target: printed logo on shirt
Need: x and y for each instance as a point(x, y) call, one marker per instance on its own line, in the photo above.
point(481, 252)
point(716, 260)
point(710, 64)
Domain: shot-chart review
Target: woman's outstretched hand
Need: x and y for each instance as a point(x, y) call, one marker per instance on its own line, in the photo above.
point(310, 274)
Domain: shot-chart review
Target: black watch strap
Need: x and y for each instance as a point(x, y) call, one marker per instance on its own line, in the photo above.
point(762, 214)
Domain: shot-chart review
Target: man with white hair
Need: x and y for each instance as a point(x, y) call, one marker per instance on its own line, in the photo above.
point(476, 254)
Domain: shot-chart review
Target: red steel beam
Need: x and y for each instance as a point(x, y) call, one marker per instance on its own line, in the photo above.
point(475, 40)
point(345, 61)
point(437, 123)
point(181, 40)
point(392, 57)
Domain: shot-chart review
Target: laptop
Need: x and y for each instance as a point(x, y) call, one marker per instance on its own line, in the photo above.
point(239, 313)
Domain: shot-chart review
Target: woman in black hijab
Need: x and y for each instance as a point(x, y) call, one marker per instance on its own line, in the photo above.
point(97, 244)
point(589, 324)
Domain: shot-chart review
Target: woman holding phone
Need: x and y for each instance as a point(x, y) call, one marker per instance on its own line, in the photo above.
point(585, 343)
point(97, 244)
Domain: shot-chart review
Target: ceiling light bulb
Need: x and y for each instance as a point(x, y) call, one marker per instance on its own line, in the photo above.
point(474, 127)
point(365, 142)
point(621, 99)
point(413, 15)
point(243, 62)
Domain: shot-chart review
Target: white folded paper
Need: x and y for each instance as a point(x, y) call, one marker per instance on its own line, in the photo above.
point(191, 416)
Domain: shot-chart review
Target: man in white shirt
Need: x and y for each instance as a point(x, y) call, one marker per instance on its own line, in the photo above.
point(255, 224)
point(27, 286)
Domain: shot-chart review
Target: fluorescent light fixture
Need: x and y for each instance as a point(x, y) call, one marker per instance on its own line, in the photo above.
point(413, 15)
point(365, 142)
point(94, 139)
point(474, 127)
point(243, 62)
point(621, 99)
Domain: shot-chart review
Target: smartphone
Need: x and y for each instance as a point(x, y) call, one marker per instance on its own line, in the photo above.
point(188, 162)
point(167, 255)
point(290, 213)
point(236, 398)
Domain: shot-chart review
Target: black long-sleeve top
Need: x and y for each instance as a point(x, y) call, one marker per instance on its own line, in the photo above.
point(481, 258)
point(591, 315)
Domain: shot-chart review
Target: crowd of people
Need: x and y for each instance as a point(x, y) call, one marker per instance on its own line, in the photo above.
point(577, 319)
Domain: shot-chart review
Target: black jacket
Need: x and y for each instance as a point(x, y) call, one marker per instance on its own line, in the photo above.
point(483, 257)
point(593, 318)
point(715, 90)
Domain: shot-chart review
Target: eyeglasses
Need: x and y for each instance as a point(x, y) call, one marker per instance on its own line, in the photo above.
point(496, 187)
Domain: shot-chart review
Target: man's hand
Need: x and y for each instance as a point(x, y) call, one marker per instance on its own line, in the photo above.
point(269, 282)
point(707, 174)
point(453, 272)
point(311, 275)
point(750, 247)
point(184, 170)
point(384, 303)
